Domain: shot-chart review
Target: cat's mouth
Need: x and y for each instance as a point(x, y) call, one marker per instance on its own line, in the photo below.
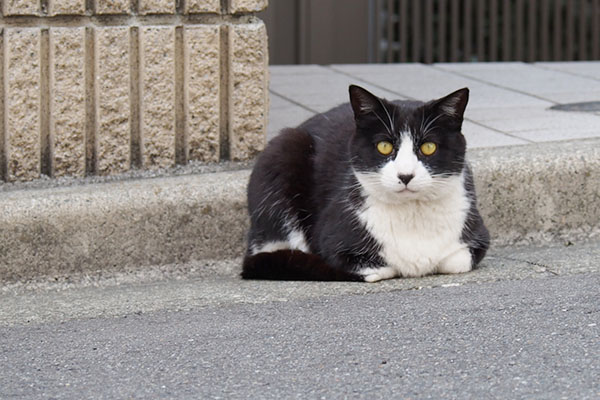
point(406, 190)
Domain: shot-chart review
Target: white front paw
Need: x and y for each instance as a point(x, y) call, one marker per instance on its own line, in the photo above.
point(456, 263)
point(378, 274)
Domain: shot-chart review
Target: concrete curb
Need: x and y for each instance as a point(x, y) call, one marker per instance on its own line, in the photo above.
point(526, 194)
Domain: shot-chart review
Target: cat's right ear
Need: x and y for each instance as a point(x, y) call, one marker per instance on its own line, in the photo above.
point(363, 102)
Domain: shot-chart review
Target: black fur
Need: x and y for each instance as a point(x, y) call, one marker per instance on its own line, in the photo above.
point(304, 181)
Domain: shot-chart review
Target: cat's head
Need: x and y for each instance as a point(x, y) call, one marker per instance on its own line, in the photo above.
point(407, 150)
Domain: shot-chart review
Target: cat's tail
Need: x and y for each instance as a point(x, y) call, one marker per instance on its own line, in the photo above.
point(293, 265)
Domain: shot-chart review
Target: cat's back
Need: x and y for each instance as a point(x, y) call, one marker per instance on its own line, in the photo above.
point(334, 124)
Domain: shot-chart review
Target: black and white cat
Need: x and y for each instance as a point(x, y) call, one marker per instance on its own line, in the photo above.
point(367, 191)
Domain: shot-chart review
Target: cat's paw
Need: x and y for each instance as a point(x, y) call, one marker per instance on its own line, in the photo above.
point(456, 263)
point(378, 274)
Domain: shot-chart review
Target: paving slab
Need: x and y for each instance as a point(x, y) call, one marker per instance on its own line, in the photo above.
point(479, 135)
point(284, 114)
point(587, 69)
point(423, 82)
point(525, 78)
point(509, 102)
point(317, 90)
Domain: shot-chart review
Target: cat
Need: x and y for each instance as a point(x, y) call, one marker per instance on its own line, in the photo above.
point(369, 190)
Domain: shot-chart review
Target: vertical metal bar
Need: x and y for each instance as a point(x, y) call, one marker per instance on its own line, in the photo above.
point(545, 30)
point(493, 46)
point(442, 11)
point(376, 34)
point(455, 31)
point(467, 29)
point(403, 27)
point(519, 34)
point(481, 30)
point(596, 30)
point(583, 29)
point(506, 28)
point(416, 31)
point(429, 31)
point(570, 29)
point(557, 30)
point(303, 31)
point(532, 43)
point(389, 57)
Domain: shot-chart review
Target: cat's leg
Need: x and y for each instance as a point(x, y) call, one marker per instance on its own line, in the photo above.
point(458, 262)
point(294, 240)
point(279, 194)
point(376, 274)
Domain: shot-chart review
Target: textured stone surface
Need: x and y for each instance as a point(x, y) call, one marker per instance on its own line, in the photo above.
point(156, 6)
point(201, 6)
point(157, 74)
point(202, 96)
point(112, 6)
point(241, 6)
point(112, 100)
point(67, 104)
point(73, 7)
point(22, 102)
point(248, 84)
point(542, 191)
point(21, 7)
point(119, 224)
point(526, 194)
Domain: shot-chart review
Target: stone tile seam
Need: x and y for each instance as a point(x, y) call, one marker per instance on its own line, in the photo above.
point(3, 150)
point(508, 134)
point(124, 20)
point(397, 93)
point(225, 91)
point(466, 76)
point(406, 97)
point(584, 76)
point(297, 103)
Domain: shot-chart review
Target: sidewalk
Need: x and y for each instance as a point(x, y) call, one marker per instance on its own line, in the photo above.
point(509, 102)
point(537, 173)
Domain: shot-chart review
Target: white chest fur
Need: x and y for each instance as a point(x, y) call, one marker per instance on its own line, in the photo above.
point(415, 236)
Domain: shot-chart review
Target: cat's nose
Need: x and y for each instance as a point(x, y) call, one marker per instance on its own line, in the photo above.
point(405, 178)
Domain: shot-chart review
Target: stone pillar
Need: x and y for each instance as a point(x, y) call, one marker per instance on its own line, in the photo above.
point(150, 84)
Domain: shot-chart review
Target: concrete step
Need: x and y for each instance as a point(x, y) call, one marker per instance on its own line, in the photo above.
point(527, 194)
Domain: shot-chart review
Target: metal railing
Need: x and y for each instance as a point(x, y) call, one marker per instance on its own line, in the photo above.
point(486, 30)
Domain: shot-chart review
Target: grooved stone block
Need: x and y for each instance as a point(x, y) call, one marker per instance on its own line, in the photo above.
point(248, 83)
point(241, 6)
point(157, 75)
point(67, 100)
point(202, 92)
point(201, 6)
point(21, 7)
point(112, 100)
point(22, 103)
point(112, 6)
point(157, 7)
point(71, 7)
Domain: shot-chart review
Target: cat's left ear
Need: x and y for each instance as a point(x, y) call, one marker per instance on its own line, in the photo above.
point(452, 105)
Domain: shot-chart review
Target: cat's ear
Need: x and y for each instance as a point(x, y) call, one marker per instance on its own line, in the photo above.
point(363, 102)
point(452, 105)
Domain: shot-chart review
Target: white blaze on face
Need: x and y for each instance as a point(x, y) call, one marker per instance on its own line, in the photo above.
point(405, 163)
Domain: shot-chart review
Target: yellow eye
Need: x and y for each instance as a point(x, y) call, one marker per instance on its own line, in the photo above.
point(385, 148)
point(428, 148)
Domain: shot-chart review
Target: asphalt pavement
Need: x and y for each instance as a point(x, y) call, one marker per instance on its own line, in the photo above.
point(525, 325)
